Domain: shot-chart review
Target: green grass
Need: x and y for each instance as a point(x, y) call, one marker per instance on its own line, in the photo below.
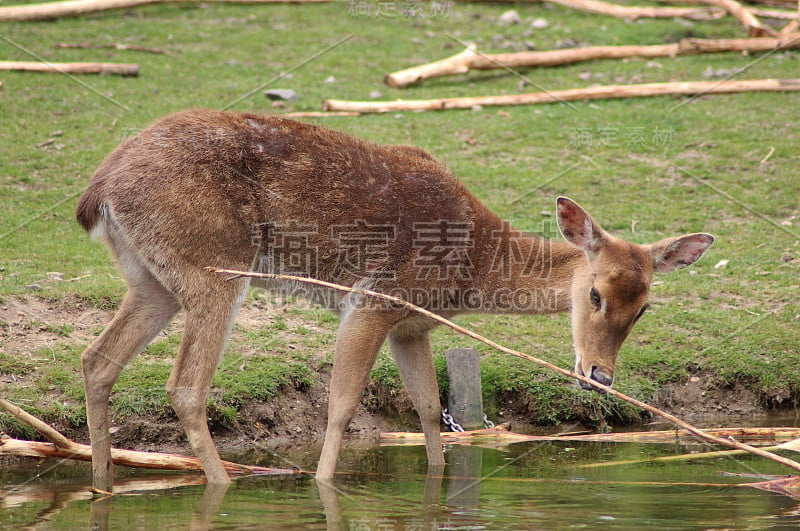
point(646, 168)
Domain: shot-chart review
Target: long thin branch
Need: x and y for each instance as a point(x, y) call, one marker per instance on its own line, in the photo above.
point(72, 68)
point(71, 8)
point(50, 433)
point(687, 88)
point(502, 433)
point(564, 372)
point(755, 28)
point(471, 59)
point(633, 12)
point(63, 447)
point(113, 46)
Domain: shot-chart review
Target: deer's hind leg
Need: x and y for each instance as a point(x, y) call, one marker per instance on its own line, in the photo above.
point(210, 309)
point(145, 311)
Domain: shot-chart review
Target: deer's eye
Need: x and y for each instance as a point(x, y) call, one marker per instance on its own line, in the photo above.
point(594, 298)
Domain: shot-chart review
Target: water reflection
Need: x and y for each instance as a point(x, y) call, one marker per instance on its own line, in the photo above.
point(522, 486)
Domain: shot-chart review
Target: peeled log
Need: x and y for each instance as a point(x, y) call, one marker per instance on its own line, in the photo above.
point(471, 59)
point(121, 69)
point(687, 88)
point(71, 8)
point(634, 12)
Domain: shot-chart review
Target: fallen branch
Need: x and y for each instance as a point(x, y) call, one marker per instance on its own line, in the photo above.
point(754, 27)
point(471, 59)
point(71, 8)
point(114, 46)
point(634, 12)
point(502, 433)
point(64, 448)
point(401, 303)
point(72, 68)
point(793, 445)
point(317, 114)
point(779, 14)
point(685, 88)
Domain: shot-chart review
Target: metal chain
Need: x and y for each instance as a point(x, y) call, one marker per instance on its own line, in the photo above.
point(451, 423)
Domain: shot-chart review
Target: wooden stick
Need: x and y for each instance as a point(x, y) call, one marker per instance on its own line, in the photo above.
point(555, 368)
point(633, 12)
point(71, 8)
point(773, 13)
point(65, 448)
point(115, 46)
point(131, 458)
point(754, 26)
point(317, 114)
point(72, 68)
point(686, 88)
point(50, 433)
point(790, 445)
point(501, 433)
point(471, 59)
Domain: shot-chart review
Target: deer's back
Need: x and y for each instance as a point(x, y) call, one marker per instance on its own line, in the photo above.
point(207, 185)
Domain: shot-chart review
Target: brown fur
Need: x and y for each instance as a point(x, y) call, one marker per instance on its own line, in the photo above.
point(205, 188)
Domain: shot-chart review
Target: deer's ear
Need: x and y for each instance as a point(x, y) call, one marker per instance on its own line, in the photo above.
point(578, 227)
point(682, 251)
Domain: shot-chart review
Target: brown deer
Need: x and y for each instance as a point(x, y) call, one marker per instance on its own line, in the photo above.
point(248, 192)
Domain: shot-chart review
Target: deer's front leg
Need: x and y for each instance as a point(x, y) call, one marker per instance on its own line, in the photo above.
point(361, 335)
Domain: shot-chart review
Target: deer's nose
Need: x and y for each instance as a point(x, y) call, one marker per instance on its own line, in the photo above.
point(600, 377)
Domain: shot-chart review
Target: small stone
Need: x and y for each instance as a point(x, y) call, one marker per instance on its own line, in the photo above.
point(653, 64)
point(529, 44)
point(57, 133)
point(476, 108)
point(278, 104)
point(546, 213)
point(376, 94)
point(34, 287)
point(539, 23)
point(721, 264)
point(417, 40)
point(55, 276)
point(330, 79)
point(565, 43)
point(281, 94)
point(508, 18)
point(586, 76)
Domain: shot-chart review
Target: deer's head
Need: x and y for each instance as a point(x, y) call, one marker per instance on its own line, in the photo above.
point(609, 292)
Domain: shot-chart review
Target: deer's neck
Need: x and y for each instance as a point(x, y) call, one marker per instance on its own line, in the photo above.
point(523, 273)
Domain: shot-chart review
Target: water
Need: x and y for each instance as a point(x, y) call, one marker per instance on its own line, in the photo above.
point(522, 486)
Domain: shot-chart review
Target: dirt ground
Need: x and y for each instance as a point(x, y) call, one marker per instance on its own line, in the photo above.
point(31, 324)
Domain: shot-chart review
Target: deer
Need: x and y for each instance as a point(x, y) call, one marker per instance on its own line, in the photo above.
point(266, 193)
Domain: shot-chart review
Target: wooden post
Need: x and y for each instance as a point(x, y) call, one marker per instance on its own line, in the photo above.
point(465, 400)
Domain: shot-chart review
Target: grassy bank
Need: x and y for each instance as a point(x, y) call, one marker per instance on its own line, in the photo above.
point(646, 168)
